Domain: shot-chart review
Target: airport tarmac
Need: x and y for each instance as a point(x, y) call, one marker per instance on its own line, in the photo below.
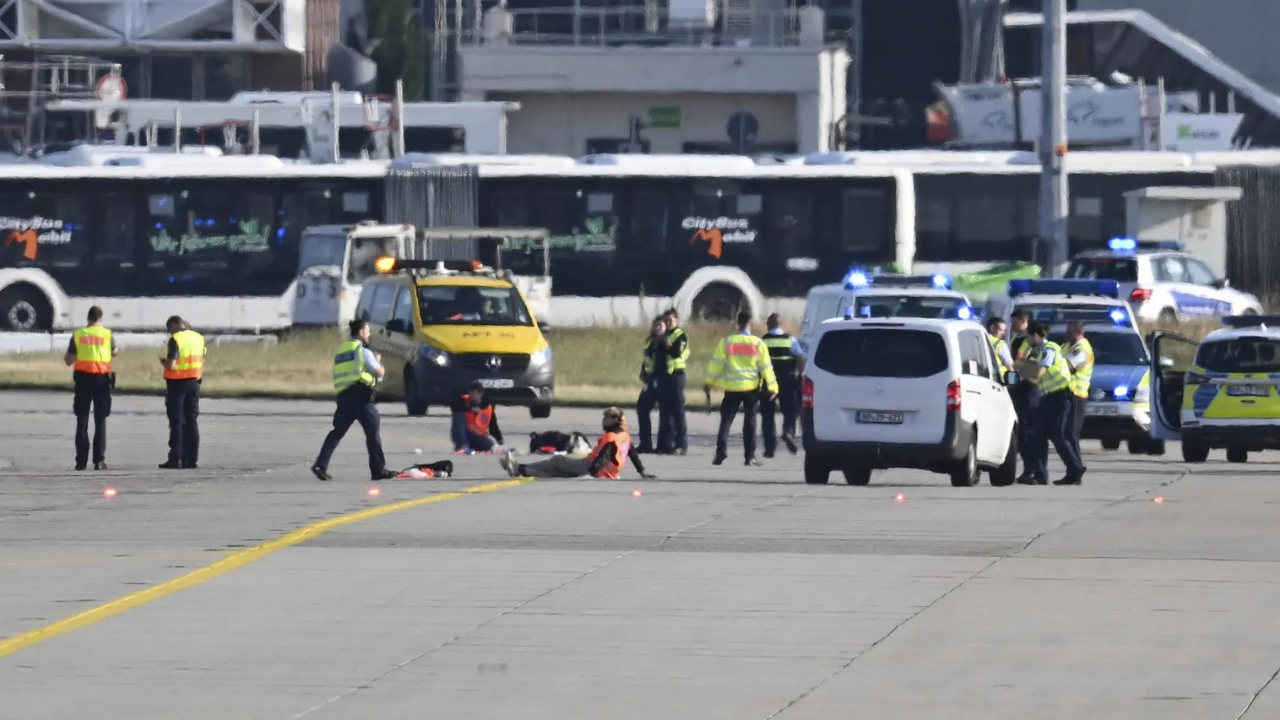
point(246, 589)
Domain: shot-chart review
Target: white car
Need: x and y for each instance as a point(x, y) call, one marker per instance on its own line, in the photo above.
point(1161, 283)
point(878, 296)
point(907, 393)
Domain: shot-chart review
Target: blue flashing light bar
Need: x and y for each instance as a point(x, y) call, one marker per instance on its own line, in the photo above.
point(1122, 244)
point(1114, 315)
point(1098, 288)
point(859, 278)
point(1248, 321)
point(1128, 245)
point(964, 312)
point(1118, 316)
point(856, 278)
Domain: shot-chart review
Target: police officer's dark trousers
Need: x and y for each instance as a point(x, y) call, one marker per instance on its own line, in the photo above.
point(1026, 403)
point(356, 404)
point(92, 393)
point(748, 401)
point(182, 404)
point(672, 434)
point(645, 404)
point(1058, 427)
point(787, 403)
point(1077, 422)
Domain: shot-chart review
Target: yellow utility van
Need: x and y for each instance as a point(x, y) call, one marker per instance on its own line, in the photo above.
point(442, 325)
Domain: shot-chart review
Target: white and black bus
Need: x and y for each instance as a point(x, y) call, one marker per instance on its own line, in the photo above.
point(212, 239)
point(216, 239)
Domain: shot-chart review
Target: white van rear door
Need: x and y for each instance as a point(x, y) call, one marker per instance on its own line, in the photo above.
point(880, 382)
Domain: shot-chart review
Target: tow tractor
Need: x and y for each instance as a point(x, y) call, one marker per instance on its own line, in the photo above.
point(863, 294)
point(1119, 406)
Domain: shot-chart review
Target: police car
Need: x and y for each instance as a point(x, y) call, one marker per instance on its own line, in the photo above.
point(1161, 282)
point(1223, 392)
point(1118, 409)
point(866, 295)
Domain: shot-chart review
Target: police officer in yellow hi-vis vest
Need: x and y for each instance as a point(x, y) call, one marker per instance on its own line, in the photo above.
point(356, 372)
point(673, 435)
point(652, 362)
point(1080, 358)
point(741, 368)
point(90, 354)
point(1047, 366)
point(995, 336)
point(183, 371)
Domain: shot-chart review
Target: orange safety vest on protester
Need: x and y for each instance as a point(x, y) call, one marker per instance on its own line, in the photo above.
point(93, 350)
point(612, 470)
point(190, 362)
point(478, 420)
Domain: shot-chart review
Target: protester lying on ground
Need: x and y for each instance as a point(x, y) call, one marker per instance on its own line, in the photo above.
point(606, 461)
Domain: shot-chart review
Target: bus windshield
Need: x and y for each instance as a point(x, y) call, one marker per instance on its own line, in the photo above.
point(913, 307)
point(472, 305)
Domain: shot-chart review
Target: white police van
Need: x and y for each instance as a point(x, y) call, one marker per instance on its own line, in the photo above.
point(867, 295)
point(1161, 282)
point(907, 393)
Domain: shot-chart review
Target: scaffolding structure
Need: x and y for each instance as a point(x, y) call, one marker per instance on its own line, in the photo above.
point(28, 86)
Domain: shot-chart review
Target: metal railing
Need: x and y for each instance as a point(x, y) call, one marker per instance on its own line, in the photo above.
point(644, 25)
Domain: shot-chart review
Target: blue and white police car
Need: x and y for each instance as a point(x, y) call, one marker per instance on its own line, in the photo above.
point(1161, 282)
point(863, 294)
point(1119, 406)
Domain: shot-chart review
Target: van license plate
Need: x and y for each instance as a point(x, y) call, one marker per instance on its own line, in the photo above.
point(497, 383)
point(880, 418)
point(1249, 390)
point(1095, 410)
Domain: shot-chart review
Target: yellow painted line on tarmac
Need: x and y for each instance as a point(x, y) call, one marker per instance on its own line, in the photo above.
point(227, 564)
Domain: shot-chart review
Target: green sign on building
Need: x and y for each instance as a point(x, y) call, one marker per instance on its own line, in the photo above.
point(664, 117)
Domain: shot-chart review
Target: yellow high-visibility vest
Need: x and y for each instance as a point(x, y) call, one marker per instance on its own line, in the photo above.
point(1058, 375)
point(1083, 375)
point(677, 364)
point(997, 344)
point(190, 362)
point(741, 364)
point(349, 368)
point(93, 350)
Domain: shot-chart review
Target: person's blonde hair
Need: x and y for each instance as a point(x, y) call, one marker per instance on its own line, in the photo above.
point(618, 417)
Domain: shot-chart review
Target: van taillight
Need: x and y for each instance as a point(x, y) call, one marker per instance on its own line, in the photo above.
point(1140, 295)
point(953, 396)
point(806, 394)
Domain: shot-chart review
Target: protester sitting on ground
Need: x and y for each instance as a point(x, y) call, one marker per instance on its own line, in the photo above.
point(475, 423)
point(606, 461)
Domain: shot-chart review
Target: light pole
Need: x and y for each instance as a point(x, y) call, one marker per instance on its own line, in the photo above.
point(1052, 253)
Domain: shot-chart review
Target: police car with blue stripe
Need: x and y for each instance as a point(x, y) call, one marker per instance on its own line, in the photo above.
point(1223, 392)
point(863, 294)
point(1118, 409)
point(1161, 282)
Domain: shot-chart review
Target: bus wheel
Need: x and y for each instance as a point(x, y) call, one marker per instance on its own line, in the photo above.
point(414, 403)
point(24, 310)
point(718, 303)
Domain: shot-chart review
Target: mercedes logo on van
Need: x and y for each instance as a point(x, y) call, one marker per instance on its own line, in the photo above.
point(494, 363)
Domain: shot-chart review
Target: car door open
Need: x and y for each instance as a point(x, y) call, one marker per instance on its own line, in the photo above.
point(1171, 357)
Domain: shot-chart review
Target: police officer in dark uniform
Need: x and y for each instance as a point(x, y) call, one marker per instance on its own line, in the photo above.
point(785, 353)
point(673, 436)
point(653, 366)
point(356, 373)
point(1026, 399)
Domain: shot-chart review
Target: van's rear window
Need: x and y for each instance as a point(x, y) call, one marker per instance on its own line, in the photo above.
point(876, 352)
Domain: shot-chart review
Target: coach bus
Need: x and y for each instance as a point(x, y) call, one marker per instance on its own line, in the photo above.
point(216, 239)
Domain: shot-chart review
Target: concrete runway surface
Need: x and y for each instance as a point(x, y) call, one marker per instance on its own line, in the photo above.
point(716, 593)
